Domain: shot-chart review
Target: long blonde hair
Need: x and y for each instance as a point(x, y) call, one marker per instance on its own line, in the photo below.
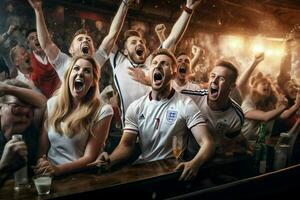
point(82, 119)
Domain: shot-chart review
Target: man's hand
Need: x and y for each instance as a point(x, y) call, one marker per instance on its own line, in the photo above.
point(160, 28)
point(35, 4)
point(103, 160)
point(259, 57)
point(192, 4)
point(14, 155)
point(189, 172)
point(11, 29)
point(138, 75)
point(196, 50)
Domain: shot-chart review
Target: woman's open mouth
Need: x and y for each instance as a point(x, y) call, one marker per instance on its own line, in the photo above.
point(79, 85)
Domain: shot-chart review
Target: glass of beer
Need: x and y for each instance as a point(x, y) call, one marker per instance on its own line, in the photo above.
point(177, 146)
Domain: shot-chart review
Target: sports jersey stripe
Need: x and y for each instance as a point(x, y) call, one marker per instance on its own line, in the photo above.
point(197, 124)
point(238, 110)
point(129, 129)
point(195, 92)
point(119, 90)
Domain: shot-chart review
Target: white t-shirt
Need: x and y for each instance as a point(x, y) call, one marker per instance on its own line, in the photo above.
point(129, 89)
point(251, 127)
point(188, 86)
point(221, 123)
point(62, 61)
point(64, 149)
point(155, 122)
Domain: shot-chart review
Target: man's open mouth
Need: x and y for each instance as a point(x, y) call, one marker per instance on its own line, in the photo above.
point(157, 77)
point(182, 70)
point(140, 51)
point(85, 49)
point(214, 91)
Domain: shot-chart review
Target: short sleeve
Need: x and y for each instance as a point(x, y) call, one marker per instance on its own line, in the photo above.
point(248, 105)
point(105, 111)
point(101, 56)
point(193, 114)
point(61, 63)
point(131, 120)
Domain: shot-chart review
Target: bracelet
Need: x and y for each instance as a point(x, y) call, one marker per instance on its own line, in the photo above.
point(5, 36)
point(186, 9)
point(125, 2)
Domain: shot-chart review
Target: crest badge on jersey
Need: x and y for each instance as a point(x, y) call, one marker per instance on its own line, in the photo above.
point(171, 116)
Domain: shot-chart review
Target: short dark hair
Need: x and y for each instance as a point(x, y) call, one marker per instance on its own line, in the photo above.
point(81, 31)
point(231, 67)
point(167, 53)
point(30, 31)
point(128, 34)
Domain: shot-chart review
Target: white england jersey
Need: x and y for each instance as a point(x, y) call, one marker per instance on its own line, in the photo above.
point(188, 86)
point(155, 122)
point(62, 61)
point(129, 89)
point(221, 123)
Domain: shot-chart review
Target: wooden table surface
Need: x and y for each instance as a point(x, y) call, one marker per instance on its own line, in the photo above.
point(79, 183)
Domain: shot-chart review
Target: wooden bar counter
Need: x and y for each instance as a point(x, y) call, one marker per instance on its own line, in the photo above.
point(142, 179)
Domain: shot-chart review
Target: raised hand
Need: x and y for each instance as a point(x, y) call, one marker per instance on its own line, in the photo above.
point(196, 50)
point(192, 4)
point(132, 3)
point(35, 4)
point(259, 57)
point(160, 28)
point(11, 29)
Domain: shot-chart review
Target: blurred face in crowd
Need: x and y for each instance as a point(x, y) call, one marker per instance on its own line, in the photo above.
point(82, 44)
point(33, 43)
point(81, 78)
point(161, 72)
point(264, 88)
point(135, 49)
point(292, 89)
point(22, 60)
point(220, 83)
point(16, 116)
point(184, 67)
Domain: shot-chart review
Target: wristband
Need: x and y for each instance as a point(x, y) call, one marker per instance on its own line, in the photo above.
point(125, 2)
point(5, 36)
point(186, 9)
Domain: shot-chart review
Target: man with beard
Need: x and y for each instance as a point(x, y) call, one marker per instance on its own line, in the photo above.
point(82, 42)
point(21, 60)
point(43, 74)
point(158, 116)
point(132, 57)
point(224, 117)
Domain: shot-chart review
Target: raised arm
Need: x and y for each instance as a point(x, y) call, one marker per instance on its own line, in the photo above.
point(7, 34)
point(44, 38)
point(181, 25)
point(196, 51)
point(160, 32)
point(243, 81)
point(26, 95)
point(116, 26)
point(292, 110)
point(264, 115)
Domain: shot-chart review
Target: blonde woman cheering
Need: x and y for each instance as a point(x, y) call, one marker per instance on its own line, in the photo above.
point(76, 122)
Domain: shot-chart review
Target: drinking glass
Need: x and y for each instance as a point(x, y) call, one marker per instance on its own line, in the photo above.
point(42, 183)
point(177, 146)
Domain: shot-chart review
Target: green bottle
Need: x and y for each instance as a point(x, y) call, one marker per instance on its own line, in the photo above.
point(262, 148)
